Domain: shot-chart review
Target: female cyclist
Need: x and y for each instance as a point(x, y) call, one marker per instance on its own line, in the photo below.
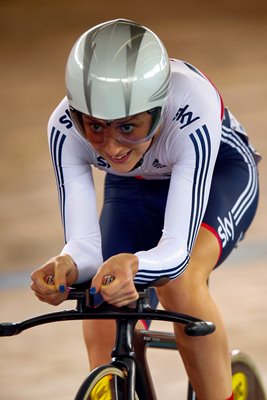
point(181, 188)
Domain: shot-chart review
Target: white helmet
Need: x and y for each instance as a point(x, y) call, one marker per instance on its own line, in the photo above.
point(117, 69)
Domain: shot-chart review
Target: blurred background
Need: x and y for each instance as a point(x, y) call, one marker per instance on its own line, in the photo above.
point(227, 41)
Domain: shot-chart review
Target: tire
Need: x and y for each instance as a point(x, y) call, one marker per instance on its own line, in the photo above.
point(104, 383)
point(246, 381)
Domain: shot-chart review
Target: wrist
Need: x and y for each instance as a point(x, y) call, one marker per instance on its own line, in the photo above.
point(133, 262)
point(72, 269)
point(135, 265)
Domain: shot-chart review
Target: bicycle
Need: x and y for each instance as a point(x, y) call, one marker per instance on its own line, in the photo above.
point(127, 376)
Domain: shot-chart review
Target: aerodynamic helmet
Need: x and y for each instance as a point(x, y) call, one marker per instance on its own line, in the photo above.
point(117, 69)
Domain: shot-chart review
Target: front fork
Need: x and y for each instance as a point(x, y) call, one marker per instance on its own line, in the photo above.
point(123, 355)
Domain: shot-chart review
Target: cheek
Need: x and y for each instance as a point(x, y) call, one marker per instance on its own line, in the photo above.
point(95, 147)
point(138, 152)
point(142, 148)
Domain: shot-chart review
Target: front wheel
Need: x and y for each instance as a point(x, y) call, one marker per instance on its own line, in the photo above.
point(246, 380)
point(104, 383)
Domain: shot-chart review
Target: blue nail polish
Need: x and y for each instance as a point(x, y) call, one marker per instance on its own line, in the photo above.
point(62, 289)
point(92, 290)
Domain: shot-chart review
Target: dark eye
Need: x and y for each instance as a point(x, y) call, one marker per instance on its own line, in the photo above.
point(127, 128)
point(96, 128)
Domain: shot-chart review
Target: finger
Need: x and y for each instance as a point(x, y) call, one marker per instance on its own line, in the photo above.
point(107, 280)
point(119, 290)
point(60, 277)
point(39, 297)
point(40, 286)
point(50, 279)
point(53, 300)
point(125, 302)
point(120, 299)
point(42, 279)
point(132, 304)
point(97, 281)
point(47, 269)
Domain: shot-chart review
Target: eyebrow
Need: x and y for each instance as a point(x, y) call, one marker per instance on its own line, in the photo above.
point(108, 122)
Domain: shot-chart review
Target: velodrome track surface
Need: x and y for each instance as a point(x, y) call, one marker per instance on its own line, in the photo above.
point(228, 42)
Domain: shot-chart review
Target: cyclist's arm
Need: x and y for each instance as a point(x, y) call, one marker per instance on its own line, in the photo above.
point(77, 199)
point(193, 154)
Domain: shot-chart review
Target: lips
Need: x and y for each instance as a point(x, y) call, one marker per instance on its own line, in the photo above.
point(121, 158)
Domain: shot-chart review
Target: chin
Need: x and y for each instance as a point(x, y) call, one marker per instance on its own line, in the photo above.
point(123, 169)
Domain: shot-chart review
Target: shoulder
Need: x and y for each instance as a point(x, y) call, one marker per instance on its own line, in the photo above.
point(189, 84)
point(185, 73)
point(60, 117)
point(192, 98)
point(61, 131)
point(193, 107)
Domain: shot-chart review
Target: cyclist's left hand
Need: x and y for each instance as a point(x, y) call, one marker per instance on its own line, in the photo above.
point(121, 291)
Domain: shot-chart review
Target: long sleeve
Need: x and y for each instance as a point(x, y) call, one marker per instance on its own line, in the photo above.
point(77, 199)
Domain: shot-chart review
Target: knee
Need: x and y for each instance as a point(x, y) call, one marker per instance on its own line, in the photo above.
point(176, 293)
point(99, 336)
point(183, 293)
point(187, 288)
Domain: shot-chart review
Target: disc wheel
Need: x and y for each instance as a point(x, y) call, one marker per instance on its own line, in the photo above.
point(104, 383)
point(246, 381)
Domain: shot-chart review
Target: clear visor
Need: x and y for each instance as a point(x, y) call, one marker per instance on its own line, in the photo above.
point(125, 132)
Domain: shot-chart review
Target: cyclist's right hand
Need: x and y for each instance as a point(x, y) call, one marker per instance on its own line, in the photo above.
point(50, 282)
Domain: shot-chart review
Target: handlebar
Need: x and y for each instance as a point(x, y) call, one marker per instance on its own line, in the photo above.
point(88, 308)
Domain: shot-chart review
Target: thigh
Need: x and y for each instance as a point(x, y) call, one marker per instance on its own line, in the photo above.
point(233, 196)
point(132, 217)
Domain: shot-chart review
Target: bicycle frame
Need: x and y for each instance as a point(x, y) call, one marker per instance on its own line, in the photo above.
point(129, 346)
point(144, 339)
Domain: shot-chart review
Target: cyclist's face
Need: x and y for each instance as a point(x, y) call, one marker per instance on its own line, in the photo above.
point(107, 138)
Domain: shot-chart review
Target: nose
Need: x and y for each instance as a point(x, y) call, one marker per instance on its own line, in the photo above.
point(111, 144)
point(110, 135)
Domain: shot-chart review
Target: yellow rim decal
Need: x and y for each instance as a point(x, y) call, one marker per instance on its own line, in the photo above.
point(102, 390)
point(240, 386)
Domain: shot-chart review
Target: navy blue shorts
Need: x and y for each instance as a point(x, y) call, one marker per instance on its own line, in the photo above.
point(132, 217)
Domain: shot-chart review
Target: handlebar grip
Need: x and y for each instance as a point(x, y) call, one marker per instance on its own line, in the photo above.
point(8, 329)
point(199, 328)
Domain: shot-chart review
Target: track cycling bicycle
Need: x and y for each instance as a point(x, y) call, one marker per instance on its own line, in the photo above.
point(127, 376)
